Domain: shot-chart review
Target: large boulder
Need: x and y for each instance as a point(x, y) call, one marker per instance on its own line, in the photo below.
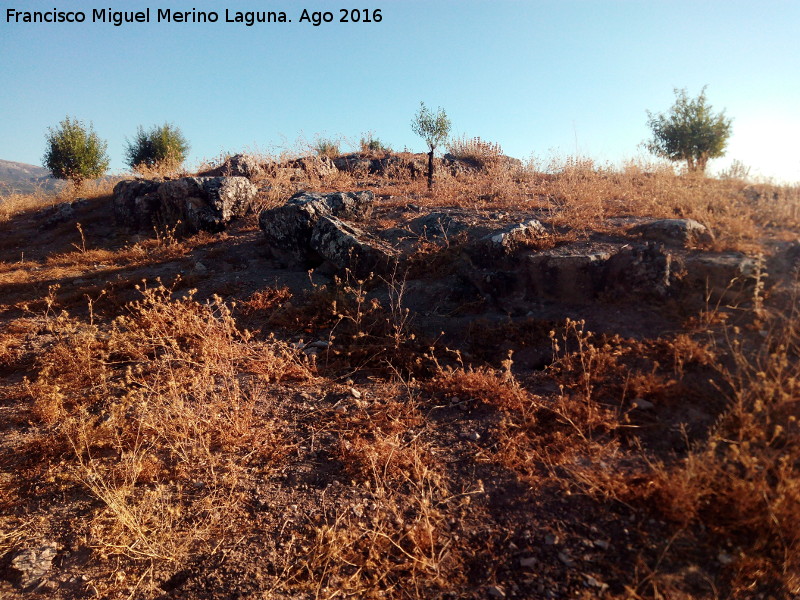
point(197, 203)
point(238, 165)
point(676, 232)
point(288, 228)
point(136, 203)
point(347, 247)
point(506, 241)
point(572, 273)
point(205, 203)
point(722, 276)
point(639, 272)
point(313, 166)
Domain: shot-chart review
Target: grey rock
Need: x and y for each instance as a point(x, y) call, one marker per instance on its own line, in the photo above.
point(288, 228)
point(566, 559)
point(528, 562)
point(314, 166)
point(509, 239)
point(60, 213)
point(725, 276)
point(198, 203)
point(238, 165)
point(205, 203)
point(29, 566)
point(353, 163)
point(347, 247)
point(643, 404)
point(572, 273)
point(495, 591)
point(136, 203)
point(680, 232)
point(642, 271)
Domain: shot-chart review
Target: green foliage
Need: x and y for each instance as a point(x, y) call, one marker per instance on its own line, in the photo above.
point(433, 128)
point(691, 131)
point(163, 146)
point(75, 152)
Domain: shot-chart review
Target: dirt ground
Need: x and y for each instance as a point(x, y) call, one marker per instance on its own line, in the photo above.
point(189, 418)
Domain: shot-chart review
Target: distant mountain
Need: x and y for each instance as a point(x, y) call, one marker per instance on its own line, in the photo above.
point(23, 178)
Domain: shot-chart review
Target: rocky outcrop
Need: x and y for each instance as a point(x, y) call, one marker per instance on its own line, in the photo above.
point(312, 166)
point(571, 273)
point(205, 203)
point(721, 276)
point(347, 247)
point(250, 166)
point(288, 229)
point(675, 232)
point(136, 202)
point(61, 213)
point(641, 272)
point(238, 165)
point(509, 239)
point(393, 165)
point(29, 566)
point(192, 203)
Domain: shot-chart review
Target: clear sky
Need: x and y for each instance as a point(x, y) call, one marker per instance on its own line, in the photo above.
point(545, 77)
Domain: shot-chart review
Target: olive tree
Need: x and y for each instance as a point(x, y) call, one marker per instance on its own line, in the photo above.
point(162, 147)
point(75, 153)
point(690, 131)
point(434, 129)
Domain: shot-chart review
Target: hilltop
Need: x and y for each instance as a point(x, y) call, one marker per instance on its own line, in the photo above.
point(21, 178)
point(316, 378)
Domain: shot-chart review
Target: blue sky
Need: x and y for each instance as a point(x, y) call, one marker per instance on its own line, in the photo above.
point(552, 78)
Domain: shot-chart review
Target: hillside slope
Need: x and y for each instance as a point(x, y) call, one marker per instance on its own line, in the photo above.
point(194, 417)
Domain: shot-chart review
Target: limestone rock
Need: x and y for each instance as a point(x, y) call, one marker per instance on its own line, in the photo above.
point(60, 213)
point(642, 271)
point(198, 203)
point(572, 273)
point(29, 566)
point(721, 275)
point(288, 228)
point(238, 165)
point(353, 163)
point(678, 232)
point(345, 246)
point(205, 203)
point(507, 240)
point(136, 202)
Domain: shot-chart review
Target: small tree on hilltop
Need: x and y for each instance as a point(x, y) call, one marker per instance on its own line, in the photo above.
point(75, 153)
point(161, 148)
point(691, 131)
point(433, 128)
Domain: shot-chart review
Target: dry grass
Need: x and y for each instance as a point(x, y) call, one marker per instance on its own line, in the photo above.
point(178, 453)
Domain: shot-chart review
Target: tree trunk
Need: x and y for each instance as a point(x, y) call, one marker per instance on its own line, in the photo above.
point(430, 169)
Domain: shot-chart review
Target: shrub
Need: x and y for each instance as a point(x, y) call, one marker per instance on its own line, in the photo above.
point(327, 148)
point(372, 145)
point(75, 153)
point(162, 148)
point(476, 151)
